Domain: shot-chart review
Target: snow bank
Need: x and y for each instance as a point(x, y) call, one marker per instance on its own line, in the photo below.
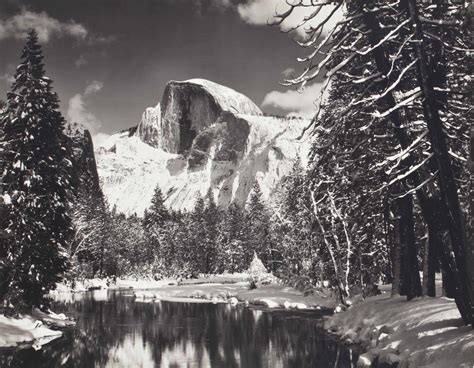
point(29, 330)
point(269, 296)
point(225, 288)
point(421, 333)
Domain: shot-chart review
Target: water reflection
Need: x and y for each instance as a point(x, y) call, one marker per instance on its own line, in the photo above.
point(115, 331)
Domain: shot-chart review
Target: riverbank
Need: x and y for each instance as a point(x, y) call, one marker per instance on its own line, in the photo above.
point(269, 296)
point(226, 288)
point(31, 330)
point(425, 332)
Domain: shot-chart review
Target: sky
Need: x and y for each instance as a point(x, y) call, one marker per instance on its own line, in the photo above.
point(110, 59)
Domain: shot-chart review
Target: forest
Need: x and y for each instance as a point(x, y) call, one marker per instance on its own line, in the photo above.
point(386, 198)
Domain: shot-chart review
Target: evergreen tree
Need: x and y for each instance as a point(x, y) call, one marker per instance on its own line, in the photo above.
point(198, 246)
point(293, 224)
point(154, 221)
point(212, 222)
point(36, 177)
point(259, 228)
point(233, 239)
point(157, 214)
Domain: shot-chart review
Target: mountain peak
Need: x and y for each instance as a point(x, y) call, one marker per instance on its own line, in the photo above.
point(227, 98)
point(201, 136)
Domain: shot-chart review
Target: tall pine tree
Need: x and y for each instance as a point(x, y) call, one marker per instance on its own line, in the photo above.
point(36, 178)
point(259, 223)
point(157, 214)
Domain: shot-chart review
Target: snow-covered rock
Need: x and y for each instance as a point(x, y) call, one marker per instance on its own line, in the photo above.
point(269, 303)
point(365, 360)
point(146, 294)
point(94, 284)
point(201, 136)
point(294, 305)
point(26, 330)
point(149, 128)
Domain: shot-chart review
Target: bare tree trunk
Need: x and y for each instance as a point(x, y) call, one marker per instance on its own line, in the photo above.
point(397, 262)
point(471, 217)
point(446, 181)
point(411, 286)
point(334, 258)
point(433, 265)
point(424, 286)
point(471, 188)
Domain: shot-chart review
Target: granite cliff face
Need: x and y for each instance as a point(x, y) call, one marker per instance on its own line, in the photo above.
point(149, 128)
point(201, 136)
point(85, 175)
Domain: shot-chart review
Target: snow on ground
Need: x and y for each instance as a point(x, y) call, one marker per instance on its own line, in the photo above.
point(225, 288)
point(31, 330)
point(269, 296)
point(424, 332)
point(233, 288)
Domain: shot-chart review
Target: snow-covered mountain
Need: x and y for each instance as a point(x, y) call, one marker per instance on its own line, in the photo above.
point(202, 135)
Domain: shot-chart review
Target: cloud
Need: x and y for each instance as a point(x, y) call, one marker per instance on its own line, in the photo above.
point(93, 87)
point(293, 102)
point(81, 61)
point(47, 27)
point(262, 12)
point(77, 111)
point(7, 78)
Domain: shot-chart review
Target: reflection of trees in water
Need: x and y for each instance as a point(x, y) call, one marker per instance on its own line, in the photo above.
point(219, 335)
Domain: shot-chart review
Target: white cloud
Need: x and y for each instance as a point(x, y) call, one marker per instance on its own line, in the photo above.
point(46, 26)
point(81, 61)
point(7, 78)
point(262, 12)
point(77, 111)
point(296, 103)
point(93, 87)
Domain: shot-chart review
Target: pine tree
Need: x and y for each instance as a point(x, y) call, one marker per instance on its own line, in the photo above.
point(212, 224)
point(259, 223)
point(157, 214)
point(36, 178)
point(199, 243)
point(233, 239)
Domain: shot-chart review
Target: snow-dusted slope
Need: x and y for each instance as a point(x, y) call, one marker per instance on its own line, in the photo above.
point(226, 151)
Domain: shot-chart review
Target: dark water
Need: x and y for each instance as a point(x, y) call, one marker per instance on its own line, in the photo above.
point(115, 331)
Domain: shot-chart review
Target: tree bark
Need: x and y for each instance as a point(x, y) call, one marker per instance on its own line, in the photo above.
point(471, 218)
point(433, 264)
point(411, 285)
point(397, 259)
point(426, 254)
point(446, 181)
point(448, 263)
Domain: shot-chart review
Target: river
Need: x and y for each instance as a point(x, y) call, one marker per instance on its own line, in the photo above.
point(114, 330)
